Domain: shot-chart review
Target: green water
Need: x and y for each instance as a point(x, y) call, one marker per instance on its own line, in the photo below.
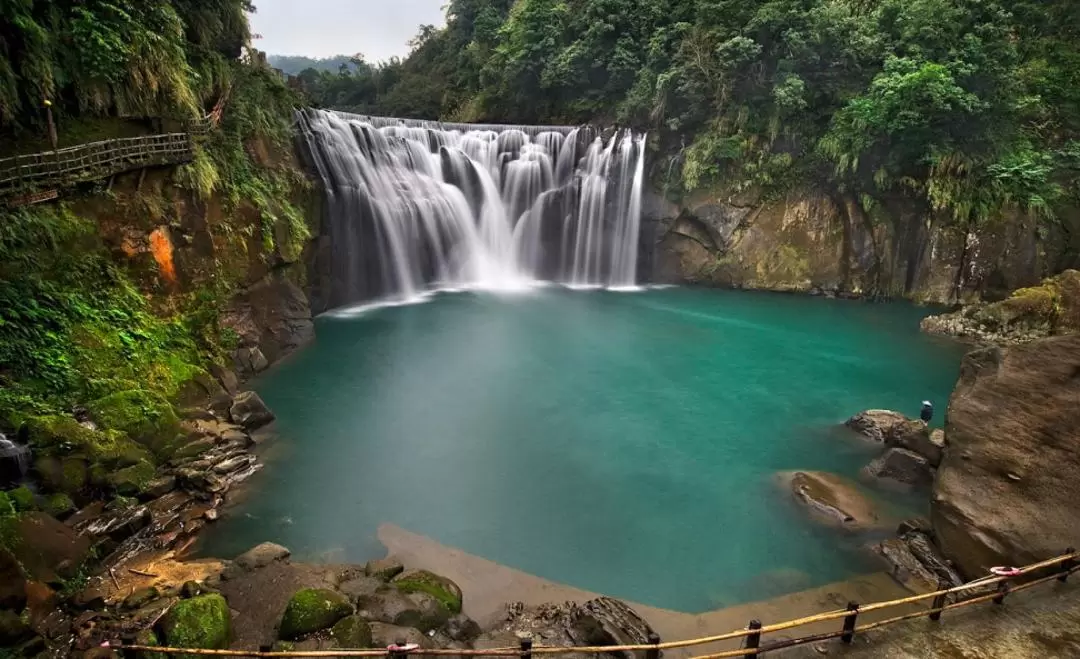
point(625, 443)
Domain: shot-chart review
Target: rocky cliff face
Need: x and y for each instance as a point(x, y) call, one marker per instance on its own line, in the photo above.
point(810, 241)
point(1008, 489)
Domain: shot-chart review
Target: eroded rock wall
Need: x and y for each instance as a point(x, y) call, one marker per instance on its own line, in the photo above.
point(813, 241)
point(1008, 489)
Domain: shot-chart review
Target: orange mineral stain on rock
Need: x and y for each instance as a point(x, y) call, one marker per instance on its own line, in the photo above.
point(162, 249)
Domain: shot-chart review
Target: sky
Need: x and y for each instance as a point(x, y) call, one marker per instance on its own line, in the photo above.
point(378, 29)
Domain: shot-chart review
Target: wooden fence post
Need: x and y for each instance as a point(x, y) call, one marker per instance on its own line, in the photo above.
point(753, 641)
point(1002, 591)
point(939, 601)
point(526, 643)
point(849, 622)
point(1067, 565)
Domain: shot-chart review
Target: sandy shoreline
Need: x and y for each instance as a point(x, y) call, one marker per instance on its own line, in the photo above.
point(488, 586)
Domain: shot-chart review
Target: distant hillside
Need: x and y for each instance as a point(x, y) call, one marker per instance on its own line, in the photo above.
point(294, 64)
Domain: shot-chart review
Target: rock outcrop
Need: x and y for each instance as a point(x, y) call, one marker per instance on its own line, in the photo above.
point(817, 241)
point(1050, 309)
point(831, 498)
point(902, 466)
point(1008, 489)
point(272, 318)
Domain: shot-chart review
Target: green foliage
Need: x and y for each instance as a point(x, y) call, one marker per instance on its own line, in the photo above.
point(72, 324)
point(115, 57)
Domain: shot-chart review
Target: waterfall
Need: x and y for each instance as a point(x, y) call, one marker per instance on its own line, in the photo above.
point(414, 205)
point(14, 460)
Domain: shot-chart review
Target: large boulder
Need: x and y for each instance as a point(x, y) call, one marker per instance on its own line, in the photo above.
point(831, 498)
point(48, 550)
point(249, 410)
point(442, 589)
point(311, 610)
point(902, 466)
point(199, 623)
point(352, 632)
point(1008, 489)
point(261, 556)
point(878, 425)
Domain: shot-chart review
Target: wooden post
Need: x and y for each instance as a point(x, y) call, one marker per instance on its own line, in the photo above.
point(52, 124)
point(397, 650)
point(1067, 565)
point(753, 641)
point(266, 648)
point(1002, 591)
point(526, 646)
point(653, 653)
point(849, 622)
point(939, 601)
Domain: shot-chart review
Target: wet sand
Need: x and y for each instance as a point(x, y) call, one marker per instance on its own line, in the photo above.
point(489, 586)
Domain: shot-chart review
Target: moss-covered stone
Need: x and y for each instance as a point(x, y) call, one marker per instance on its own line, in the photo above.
point(311, 610)
point(147, 637)
point(22, 498)
point(200, 622)
point(352, 632)
point(132, 481)
point(69, 474)
point(7, 508)
point(442, 589)
point(59, 505)
point(143, 415)
point(58, 436)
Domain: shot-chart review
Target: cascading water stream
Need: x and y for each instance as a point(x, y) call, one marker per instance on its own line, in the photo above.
point(413, 205)
point(14, 460)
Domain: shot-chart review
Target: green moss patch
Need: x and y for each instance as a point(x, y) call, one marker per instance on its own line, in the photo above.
point(143, 415)
point(132, 481)
point(421, 581)
point(311, 610)
point(200, 622)
point(352, 632)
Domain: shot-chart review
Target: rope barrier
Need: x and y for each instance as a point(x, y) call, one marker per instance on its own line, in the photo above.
point(1064, 563)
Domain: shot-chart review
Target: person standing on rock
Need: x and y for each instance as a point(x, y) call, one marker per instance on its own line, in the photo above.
point(927, 412)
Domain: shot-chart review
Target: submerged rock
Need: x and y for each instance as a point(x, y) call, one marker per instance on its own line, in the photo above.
point(311, 610)
point(831, 498)
point(903, 466)
point(917, 563)
point(1008, 489)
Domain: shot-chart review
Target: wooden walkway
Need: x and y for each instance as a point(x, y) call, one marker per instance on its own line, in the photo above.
point(30, 173)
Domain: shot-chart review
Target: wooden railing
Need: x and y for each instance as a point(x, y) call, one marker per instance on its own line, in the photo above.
point(92, 161)
point(991, 589)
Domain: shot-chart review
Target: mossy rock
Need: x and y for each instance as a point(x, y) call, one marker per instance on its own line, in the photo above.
point(58, 436)
point(200, 622)
point(69, 475)
point(147, 637)
point(352, 632)
point(22, 498)
point(444, 590)
point(143, 415)
point(311, 610)
point(59, 505)
point(132, 481)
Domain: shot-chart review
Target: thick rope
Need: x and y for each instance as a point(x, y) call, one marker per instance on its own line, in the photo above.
point(671, 645)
